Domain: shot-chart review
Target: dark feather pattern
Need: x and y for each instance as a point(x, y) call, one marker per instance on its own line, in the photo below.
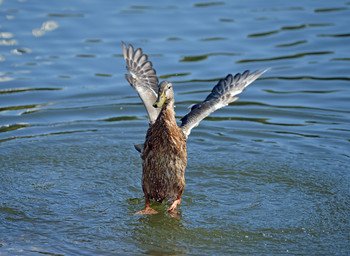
point(221, 95)
point(164, 159)
point(143, 78)
point(141, 69)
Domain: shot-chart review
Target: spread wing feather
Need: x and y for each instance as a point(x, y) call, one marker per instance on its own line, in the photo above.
point(142, 78)
point(222, 94)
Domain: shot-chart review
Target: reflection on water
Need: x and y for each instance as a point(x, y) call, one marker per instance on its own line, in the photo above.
point(266, 175)
point(298, 55)
point(303, 26)
point(203, 57)
point(46, 26)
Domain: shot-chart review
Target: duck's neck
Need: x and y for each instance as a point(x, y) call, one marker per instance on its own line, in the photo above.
point(167, 113)
point(169, 105)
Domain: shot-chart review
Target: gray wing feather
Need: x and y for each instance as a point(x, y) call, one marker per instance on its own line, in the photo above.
point(143, 78)
point(222, 94)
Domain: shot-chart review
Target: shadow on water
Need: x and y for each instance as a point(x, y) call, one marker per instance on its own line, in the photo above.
point(161, 234)
point(158, 234)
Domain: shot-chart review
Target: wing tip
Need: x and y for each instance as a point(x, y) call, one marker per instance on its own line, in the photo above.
point(247, 73)
point(261, 71)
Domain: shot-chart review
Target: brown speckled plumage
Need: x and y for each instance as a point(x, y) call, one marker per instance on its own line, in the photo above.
point(164, 151)
point(164, 159)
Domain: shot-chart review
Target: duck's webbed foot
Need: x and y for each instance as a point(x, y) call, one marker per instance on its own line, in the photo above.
point(173, 205)
point(147, 210)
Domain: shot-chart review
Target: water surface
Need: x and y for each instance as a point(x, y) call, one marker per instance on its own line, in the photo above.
point(267, 175)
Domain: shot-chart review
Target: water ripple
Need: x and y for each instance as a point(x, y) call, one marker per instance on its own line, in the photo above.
point(66, 15)
point(294, 56)
point(12, 127)
point(209, 4)
point(46, 26)
point(293, 92)
point(330, 9)
point(286, 28)
point(205, 56)
point(21, 107)
point(292, 44)
point(308, 77)
point(69, 120)
point(334, 35)
point(18, 90)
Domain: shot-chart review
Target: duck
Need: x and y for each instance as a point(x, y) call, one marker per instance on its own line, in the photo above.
point(164, 154)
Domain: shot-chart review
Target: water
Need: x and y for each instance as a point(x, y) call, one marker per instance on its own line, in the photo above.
point(267, 175)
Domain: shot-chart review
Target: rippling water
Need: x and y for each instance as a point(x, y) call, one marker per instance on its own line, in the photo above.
point(267, 175)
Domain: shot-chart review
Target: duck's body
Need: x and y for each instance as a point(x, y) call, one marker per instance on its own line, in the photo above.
point(164, 151)
point(164, 159)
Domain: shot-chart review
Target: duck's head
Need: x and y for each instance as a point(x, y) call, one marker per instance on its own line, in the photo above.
point(165, 95)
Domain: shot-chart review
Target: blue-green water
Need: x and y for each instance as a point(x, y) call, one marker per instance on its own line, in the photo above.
point(267, 175)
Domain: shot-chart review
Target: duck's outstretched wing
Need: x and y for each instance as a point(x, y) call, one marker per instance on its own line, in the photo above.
point(222, 94)
point(143, 78)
